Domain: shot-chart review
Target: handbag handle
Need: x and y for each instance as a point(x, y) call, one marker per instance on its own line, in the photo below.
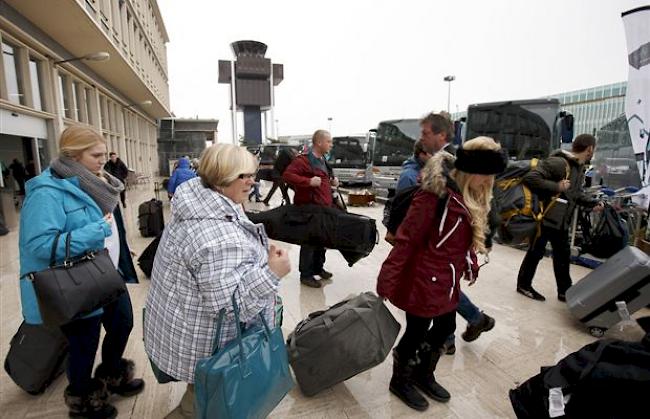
point(55, 244)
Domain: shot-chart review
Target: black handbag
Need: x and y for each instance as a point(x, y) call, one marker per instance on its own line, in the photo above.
point(556, 214)
point(76, 287)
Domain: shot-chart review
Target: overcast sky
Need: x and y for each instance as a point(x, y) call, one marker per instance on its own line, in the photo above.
point(362, 61)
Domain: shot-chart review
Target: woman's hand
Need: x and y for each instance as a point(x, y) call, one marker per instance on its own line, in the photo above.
point(108, 218)
point(279, 261)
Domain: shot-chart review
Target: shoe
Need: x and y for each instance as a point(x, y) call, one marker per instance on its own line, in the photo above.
point(449, 348)
point(561, 297)
point(120, 381)
point(531, 293)
point(473, 331)
point(424, 377)
point(93, 404)
point(266, 203)
point(401, 384)
point(258, 200)
point(325, 275)
point(310, 281)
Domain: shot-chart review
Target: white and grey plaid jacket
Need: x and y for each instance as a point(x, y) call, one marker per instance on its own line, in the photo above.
point(208, 250)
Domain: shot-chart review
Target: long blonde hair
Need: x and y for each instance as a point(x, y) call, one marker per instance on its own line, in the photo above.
point(76, 138)
point(477, 201)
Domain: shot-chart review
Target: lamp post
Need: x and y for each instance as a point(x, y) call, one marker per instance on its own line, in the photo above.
point(449, 79)
point(93, 56)
point(329, 124)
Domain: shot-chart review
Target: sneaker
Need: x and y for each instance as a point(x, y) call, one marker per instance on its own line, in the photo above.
point(561, 297)
point(310, 281)
point(473, 331)
point(449, 348)
point(531, 293)
point(325, 275)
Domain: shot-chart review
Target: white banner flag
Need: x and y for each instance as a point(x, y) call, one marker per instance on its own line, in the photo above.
point(637, 99)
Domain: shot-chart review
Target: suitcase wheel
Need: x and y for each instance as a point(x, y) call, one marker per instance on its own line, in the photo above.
point(596, 332)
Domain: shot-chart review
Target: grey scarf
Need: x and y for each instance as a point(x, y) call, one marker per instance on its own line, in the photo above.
point(105, 195)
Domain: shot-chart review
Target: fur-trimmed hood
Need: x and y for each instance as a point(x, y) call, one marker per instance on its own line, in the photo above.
point(435, 174)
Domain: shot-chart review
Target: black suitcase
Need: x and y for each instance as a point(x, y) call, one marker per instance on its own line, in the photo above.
point(146, 258)
point(623, 277)
point(353, 235)
point(150, 218)
point(36, 357)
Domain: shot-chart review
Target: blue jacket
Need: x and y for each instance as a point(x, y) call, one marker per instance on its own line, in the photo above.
point(409, 174)
point(181, 174)
point(54, 205)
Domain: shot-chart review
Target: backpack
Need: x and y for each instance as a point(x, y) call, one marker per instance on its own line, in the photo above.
point(518, 207)
point(397, 207)
point(285, 157)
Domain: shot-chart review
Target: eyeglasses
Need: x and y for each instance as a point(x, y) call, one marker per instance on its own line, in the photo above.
point(243, 176)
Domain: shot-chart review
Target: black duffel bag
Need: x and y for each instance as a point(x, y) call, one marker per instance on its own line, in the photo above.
point(353, 235)
point(76, 287)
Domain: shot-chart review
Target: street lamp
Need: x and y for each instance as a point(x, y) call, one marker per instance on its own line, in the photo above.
point(93, 56)
point(449, 79)
point(329, 123)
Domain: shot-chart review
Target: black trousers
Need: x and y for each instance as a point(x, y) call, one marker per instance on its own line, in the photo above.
point(123, 197)
point(312, 259)
point(83, 340)
point(561, 259)
point(283, 188)
point(419, 330)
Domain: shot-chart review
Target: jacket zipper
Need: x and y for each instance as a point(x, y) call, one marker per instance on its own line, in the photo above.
point(444, 239)
point(453, 281)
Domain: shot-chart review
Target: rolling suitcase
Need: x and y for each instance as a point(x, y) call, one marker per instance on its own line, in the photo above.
point(623, 277)
point(37, 356)
point(332, 345)
point(150, 218)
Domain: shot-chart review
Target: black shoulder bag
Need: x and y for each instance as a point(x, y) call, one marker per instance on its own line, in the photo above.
point(76, 287)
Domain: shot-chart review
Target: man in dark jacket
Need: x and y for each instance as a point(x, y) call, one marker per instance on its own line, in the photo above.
point(312, 183)
point(562, 175)
point(19, 174)
point(117, 168)
point(284, 159)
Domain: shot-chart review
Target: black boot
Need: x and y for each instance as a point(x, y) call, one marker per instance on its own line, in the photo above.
point(120, 381)
point(424, 378)
point(401, 383)
point(92, 405)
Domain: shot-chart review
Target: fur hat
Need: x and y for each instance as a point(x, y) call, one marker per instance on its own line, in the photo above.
point(482, 162)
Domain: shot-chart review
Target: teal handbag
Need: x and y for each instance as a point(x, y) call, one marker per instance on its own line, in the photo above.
point(247, 377)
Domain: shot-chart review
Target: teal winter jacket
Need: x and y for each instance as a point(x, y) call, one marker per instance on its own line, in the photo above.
point(53, 205)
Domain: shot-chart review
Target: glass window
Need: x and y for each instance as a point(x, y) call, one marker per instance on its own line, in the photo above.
point(74, 114)
point(63, 89)
point(35, 80)
point(12, 74)
point(102, 111)
point(88, 97)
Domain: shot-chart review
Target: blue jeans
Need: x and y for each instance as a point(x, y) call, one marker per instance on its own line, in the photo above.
point(83, 340)
point(468, 311)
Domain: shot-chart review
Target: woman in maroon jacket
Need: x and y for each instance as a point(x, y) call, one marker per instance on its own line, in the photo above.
point(435, 246)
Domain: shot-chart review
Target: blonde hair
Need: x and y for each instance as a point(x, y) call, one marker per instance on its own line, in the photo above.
point(76, 139)
point(477, 201)
point(221, 164)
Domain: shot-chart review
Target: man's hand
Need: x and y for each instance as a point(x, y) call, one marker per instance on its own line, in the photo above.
point(599, 207)
point(315, 182)
point(335, 182)
point(563, 185)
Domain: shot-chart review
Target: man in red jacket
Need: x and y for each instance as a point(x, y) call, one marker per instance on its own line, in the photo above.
point(312, 182)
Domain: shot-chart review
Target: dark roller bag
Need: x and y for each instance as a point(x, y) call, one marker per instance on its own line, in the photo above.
point(330, 346)
point(623, 277)
point(150, 218)
point(37, 356)
point(146, 258)
point(353, 235)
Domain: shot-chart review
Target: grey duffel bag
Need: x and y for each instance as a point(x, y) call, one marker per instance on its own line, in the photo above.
point(332, 345)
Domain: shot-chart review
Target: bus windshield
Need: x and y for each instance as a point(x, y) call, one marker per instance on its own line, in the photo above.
point(394, 141)
point(524, 128)
point(347, 152)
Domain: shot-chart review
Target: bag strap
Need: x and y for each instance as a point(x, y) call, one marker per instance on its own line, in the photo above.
point(215, 345)
point(55, 244)
point(68, 238)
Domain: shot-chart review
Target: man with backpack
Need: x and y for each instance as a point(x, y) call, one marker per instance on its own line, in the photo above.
point(437, 134)
point(312, 182)
point(558, 182)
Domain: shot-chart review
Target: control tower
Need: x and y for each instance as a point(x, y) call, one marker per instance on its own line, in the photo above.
point(252, 79)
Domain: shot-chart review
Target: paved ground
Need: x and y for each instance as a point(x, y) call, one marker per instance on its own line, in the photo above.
point(527, 335)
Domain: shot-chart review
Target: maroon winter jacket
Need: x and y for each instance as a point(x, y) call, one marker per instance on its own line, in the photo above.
point(432, 252)
point(298, 174)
